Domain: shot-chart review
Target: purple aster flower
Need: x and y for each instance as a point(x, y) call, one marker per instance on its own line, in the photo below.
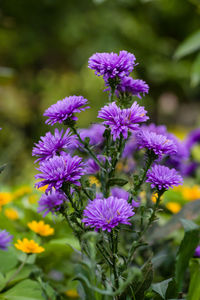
point(162, 177)
point(130, 146)
point(5, 239)
point(65, 109)
point(112, 65)
point(95, 133)
point(91, 167)
point(189, 168)
point(122, 120)
point(193, 138)
point(159, 129)
point(107, 213)
point(157, 143)
point(119, 193)
point(135, 87)
point(51, 202)
point(135, 204)
point(197, 252)
point(51, 145)
point(58, 170)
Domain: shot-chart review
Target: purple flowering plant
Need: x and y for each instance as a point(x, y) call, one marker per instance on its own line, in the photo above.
point(87, 184)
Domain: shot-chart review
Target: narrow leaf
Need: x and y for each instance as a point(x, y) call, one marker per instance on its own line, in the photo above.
point(186, 250)
point(189, 45)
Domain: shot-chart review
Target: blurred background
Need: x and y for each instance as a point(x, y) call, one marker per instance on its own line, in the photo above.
point(44, 50)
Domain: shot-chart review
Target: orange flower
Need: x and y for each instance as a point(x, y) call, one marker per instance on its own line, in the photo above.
point(173, 207)
point(28, 246)
point(41, 228)
point(11, 213)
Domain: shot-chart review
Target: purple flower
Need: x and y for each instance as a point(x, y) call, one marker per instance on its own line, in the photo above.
point(107, 213)
point(65, 109)
point(95, 133)
point(51, 145)
point(197, 252)
point(135, 204)
point(162, 177)
point(51, 202)
point(119, 193)
point(189, 168)
point(112, 65)
point(135, 87)
point(157, 143)
point(130, 146)
point(58, 170)
point(91, 167)
point(5, 239)
point(193, 138)
point(159, 129)
point(121, 120)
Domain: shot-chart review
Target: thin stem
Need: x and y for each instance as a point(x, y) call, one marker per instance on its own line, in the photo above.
point(113, 249)
point(87, 148)
point(17, 271)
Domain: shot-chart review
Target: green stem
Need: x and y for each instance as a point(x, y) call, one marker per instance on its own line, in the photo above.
point(17, 271)
point(114, 269)
point(87, 148)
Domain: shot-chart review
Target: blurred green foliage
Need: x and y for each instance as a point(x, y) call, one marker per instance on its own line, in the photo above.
point(44, 50)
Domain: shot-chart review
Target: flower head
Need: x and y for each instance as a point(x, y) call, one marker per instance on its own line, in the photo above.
point(95, 134)
point(122, 120)
point(193, 138)
point(107, 213)
point(51, 202)
point(174, 207)
point(157, 143)
point(65, 109)
point(5, 197)
point(131, 86)
point(53, 144)
point(5, 239)
point(119, 193)
point(41, 228)
point(11, 214)
point(28, 246)
point(162, 177)
point(58, 170)
point(197, 251)
point(111, 65)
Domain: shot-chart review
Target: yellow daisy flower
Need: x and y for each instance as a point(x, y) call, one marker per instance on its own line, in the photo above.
point(173, 207)
point(5, 198)
point(41, 228)
point(28, 246)
point(24, 190)
point(11, 214)
point(32, 199)
point(72, 294)
point(191, 193)
point(94, 180)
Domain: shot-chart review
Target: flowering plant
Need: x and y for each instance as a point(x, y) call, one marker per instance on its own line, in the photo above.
point(107, 182)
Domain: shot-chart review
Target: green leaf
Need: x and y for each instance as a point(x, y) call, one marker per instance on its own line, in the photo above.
point(194, 287)
point(186, 250)
point(117, 181)
point(2, 281)
point(25, 290)
point(189, 45)
point(195, 74)
point(8, 260)
point(161, 287)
